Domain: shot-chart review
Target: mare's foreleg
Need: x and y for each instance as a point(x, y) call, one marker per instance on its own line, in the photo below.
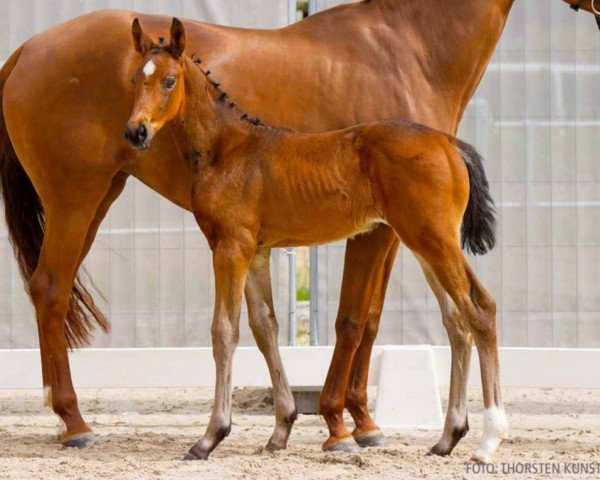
point(364, 265)
point(366, 433)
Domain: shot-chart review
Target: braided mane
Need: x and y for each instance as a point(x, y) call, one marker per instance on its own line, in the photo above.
point(224, 97)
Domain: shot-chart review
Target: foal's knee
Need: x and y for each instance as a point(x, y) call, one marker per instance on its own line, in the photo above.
point(225, 338)
point(264, 327)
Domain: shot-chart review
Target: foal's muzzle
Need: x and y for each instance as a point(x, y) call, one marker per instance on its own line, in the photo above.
point(137, 135)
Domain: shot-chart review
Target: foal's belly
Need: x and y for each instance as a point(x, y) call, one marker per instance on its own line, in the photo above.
point(310, 226)
point(327, 202)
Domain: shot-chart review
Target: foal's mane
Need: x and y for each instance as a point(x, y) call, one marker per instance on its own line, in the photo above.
point(229, 103)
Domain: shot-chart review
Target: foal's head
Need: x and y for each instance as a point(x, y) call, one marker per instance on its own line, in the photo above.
point(159, 84)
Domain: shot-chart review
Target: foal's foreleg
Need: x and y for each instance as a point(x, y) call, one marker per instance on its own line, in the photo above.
point(231, 260)
point(265, 330)
point(457, 424)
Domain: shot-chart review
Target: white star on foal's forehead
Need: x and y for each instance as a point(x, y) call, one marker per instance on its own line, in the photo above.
point(149, 68)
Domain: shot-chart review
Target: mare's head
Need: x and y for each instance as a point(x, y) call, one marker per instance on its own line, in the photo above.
point(158, 83)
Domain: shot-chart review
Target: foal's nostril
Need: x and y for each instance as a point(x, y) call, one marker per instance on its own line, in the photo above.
point(142, 133)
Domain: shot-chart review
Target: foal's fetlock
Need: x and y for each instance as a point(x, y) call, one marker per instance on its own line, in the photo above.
point(449, 441)
point(197, 453)
point(278, 440)
point(205, 446)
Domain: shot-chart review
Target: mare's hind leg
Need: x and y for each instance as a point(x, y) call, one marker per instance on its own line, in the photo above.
point(457, 424)
point(366, 433)
point(67, 225)
point(265, 330)
point(117, 185)
point(365, 259)
point(442, 253)
point(116, 188)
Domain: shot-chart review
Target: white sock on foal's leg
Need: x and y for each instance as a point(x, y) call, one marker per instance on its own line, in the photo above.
point(495, 428)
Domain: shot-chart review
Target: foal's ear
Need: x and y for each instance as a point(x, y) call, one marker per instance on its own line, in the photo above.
point(141, 42)
point(177, 45)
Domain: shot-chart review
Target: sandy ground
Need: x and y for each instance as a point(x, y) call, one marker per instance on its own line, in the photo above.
point(143, 433)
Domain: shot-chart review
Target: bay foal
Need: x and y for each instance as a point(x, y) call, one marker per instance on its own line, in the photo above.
point(254, 187)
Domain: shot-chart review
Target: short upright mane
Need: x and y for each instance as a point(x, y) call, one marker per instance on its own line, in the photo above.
point(224, 97)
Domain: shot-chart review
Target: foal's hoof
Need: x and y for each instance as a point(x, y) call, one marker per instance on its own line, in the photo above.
point(481, 457)
point(196, 453)
point(80, 440)
point(272, 447)
point(440, 449)
point(347, 444)
point(372, 438)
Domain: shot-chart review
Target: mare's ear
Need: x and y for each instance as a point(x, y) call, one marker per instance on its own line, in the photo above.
point(141, 42)
point(177, 44)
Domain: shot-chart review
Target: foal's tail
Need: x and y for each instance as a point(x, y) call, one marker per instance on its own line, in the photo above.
point(24, 215)
point(478, 231)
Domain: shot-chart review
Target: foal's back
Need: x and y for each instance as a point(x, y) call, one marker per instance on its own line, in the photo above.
point(323, 187)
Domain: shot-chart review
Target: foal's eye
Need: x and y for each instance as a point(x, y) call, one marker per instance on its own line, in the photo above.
point(169, 82)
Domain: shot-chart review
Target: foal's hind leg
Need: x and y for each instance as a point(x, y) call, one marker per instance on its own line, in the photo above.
point(265, 329)
point(478, 308)
point(457, 424)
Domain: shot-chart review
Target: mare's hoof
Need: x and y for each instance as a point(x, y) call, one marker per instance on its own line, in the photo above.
point(347, 445)
point(80, 440)
point(373, 438)
point(196, 453)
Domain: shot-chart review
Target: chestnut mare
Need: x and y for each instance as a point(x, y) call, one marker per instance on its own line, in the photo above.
point(65, 93)
point(254, 187)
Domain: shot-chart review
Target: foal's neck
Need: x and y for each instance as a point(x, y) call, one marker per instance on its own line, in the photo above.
point(210, 120)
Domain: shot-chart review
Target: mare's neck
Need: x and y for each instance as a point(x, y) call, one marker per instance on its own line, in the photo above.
point(451, 42)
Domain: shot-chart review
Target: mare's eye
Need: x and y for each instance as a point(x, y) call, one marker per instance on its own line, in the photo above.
point(169, 82)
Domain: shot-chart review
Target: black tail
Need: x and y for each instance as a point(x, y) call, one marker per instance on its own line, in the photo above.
point(478, 231)
point(25, 220)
